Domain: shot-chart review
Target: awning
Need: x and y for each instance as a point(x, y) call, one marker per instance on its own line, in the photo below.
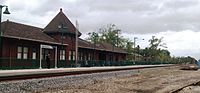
point(47, 46)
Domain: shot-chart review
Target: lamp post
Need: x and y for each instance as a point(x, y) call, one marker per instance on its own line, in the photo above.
point(135, 38)
point(5, 12)
point(115, 43)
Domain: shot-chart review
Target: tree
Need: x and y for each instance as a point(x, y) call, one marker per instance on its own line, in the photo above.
point(94, 37)
point(154, 51)
point(164, 55)
point(155, 43)
point(110, 34)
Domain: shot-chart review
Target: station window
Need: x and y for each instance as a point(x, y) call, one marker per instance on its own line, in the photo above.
point(34, 54)
point(81, 56)
point(62, 54)
point(19, 52)
point(71, 55)
point(25, 54)
point(89, 56)
point(22, 52)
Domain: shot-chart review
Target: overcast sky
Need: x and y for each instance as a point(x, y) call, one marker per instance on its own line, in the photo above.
point(178, 21)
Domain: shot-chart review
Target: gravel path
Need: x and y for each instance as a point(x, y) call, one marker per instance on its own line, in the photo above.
point(59, 83)
point(150, 80)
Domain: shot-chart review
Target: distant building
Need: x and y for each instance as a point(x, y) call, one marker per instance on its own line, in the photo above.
point(25, 45)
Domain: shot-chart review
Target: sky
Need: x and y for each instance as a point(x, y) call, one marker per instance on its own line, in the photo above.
point(177, 21)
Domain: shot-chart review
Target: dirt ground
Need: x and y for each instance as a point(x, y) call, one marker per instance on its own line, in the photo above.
point(151, 80)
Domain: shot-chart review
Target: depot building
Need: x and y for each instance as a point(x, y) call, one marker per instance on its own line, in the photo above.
point(27, 46)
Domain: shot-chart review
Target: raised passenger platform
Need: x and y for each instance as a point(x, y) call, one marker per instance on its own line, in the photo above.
point(39, 73)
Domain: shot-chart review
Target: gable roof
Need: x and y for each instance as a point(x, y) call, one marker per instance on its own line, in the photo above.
point(85, 44)
point(58, 20)
point(111, 48)
point(26, 32)
point(100, 46)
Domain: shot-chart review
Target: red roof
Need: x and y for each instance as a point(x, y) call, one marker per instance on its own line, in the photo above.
point(26, 32)
point(22, 31)
point(110, 47)
point(100, 46)
point(58, 20)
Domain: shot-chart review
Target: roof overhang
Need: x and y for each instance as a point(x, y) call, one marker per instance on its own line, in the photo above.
point(102, 50)
point(47, 46)
point(64, 32)
point(42, 41)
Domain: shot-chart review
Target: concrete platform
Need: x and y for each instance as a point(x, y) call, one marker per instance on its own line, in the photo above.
point(10, 73)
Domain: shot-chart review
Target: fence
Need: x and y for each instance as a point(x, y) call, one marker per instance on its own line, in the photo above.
point(13, 63)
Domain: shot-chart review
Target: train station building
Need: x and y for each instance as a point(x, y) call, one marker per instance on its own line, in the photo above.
point(27, 46)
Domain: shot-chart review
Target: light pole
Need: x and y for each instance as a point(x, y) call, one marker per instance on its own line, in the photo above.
point(115, 41)
point(135, 38)
point(5, 12)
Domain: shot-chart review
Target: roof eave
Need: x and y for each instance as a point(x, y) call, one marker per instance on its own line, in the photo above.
point(42, 41)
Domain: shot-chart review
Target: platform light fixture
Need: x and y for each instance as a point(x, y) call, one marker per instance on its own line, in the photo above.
point(5, 12)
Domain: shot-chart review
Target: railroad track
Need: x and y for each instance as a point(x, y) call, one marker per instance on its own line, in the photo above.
point(56, 74)
point(192, 84)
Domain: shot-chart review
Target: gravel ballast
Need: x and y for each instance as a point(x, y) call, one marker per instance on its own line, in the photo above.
point(46, 84)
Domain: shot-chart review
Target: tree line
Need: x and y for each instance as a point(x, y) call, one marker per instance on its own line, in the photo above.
point(156, 51)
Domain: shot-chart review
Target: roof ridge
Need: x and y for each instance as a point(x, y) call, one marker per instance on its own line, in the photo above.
point(8, 21)
point(14, 29)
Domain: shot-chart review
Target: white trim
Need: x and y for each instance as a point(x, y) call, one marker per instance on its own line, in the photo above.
point(56, 62)
point(46, 46)
point(40, 56)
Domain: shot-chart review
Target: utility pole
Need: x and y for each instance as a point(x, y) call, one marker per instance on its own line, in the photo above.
point(135, 38)
point(76, 56)
point(135, 52)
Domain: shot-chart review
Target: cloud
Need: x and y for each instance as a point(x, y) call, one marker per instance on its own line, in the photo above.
point(3, 2)
point(143, 16)
point(176, 20)
point(180, 4)
point(182, 43)
point(132, 16)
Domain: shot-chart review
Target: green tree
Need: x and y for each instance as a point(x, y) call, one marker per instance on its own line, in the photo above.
point(154, 51)
point(164, 55)
point(155, 43)
point(110, 34)
point(94, 37)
